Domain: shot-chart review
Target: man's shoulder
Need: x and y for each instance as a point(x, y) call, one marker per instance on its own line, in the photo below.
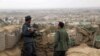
point(26, 25)
point(57, 30)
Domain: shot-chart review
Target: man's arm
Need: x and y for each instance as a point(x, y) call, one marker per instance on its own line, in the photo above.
point(56, 39)
point(27, 30)
point(31, 30)
point(67, 38)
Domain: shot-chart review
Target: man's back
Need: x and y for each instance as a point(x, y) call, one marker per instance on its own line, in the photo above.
point(61, 40)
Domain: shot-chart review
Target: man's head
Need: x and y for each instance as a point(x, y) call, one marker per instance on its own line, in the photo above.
point(61, 25)
point(28, 19)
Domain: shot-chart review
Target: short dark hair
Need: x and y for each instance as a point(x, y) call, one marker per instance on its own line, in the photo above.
point(28, 18)
point(61, 24)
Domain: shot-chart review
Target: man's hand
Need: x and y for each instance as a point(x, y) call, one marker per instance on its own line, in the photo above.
point(31, 30)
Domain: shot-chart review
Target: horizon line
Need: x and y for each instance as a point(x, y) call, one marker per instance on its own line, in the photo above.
point(50, 8)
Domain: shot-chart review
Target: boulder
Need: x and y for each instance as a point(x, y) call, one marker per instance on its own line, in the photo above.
point(50, 38)
point(9, 36)
point(12, 36)
point(83, 50)
point(11, 40)
point(2, 41)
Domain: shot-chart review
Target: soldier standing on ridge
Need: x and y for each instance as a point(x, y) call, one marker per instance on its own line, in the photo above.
point(61, 41)
point(27, 31)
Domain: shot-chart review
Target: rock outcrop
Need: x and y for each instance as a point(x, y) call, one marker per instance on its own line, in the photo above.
point(83, 50)
point(9, 36)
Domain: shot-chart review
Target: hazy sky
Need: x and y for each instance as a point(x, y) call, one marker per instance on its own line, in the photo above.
point(31, 4)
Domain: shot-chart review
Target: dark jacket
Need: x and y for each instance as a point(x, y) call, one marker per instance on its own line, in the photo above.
point(27, 36)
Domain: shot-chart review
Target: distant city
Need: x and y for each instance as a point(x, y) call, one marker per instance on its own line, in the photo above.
point(75, 16)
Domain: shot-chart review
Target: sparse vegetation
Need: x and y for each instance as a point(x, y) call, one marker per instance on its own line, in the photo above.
point(82, 26)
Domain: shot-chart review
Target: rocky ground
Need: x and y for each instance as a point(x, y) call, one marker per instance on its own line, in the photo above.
point(82, 50)
point(44, 44)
